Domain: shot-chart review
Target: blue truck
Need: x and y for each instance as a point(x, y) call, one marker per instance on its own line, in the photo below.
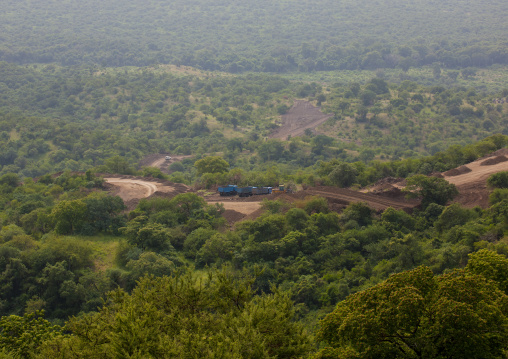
point(261, 190)
point(245, 191)
point(233, 190)
point(230, 190)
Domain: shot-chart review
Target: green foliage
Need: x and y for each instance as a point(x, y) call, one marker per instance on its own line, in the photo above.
point(153, 172)
point(117, 164)
point(148, 236)
point(430, 189)
point(498, 195)
point(397, 220)
point(453, 215)
point(183, 317)
point(230, 45)
point(96, 212)
point(498, 180)
point(416, 314)
point(24, 335)
point(343, 175)
point(359, 212)
point(211, 164)
point(491, 265)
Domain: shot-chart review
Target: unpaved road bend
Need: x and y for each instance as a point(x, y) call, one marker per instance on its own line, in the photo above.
point(128, 189)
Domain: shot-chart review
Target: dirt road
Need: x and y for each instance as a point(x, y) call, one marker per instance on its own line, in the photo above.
point(479, 173)
point(472, 185)
point(470, 179)
point(303, 115)
point(131, 188)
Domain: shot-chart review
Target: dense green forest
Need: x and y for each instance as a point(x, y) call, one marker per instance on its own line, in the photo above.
point(237, 36)
point(78, 118)
point(65, 244)
point(90, 89)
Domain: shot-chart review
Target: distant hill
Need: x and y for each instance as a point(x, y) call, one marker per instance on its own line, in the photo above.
point(263, 35)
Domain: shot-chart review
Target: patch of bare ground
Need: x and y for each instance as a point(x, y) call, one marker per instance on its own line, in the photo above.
point(481, 169)
point(470, 179)
point(494, 161)
point(233, 216)
point(303, 115)
point(132, 189)
point(379, 202)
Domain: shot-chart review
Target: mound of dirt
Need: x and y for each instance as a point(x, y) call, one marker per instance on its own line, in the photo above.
point(388, 180)
point(457, 171)
point(394, 192)
point(500, 152)
point(384, 184)
point(232, 216)
point(494, 161)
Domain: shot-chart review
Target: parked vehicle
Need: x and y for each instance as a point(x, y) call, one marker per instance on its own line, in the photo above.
point(233, 190)
point(281, 189)
point(245, 191)
point(261, 190)
point(230, 190)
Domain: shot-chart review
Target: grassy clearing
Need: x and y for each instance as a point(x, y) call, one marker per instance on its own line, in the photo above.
point(104, 250)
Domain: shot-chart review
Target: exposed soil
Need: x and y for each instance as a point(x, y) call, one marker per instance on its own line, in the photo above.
point(472, 185)
point(131, 188)
point(480, 171)
point(470, 181)
point(494, 161)
point(303, 115)
point(376, 201)
point(457, 171)
point(233, 216)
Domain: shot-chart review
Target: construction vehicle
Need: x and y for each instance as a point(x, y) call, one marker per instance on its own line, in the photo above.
point(281, 189)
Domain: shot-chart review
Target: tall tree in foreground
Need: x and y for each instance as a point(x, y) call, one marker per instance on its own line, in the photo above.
point(181, 317)
point(416, 314)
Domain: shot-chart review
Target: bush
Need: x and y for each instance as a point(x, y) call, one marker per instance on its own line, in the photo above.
point(498, 180)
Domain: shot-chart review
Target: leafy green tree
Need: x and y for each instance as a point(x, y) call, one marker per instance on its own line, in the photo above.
point(118, 164)
point(148, 236)
point(150, 263)
point(491, 265)
point(498, 180)
point(153, 172)
point(368, 97)
point(418, 315)
point(359, 212)
point(211, 164)
point(24, 335)
point(270, 150)
point(297, 219)
point(430, 189)
point(195, 240)
point(9, 181)
point(343, 175)
point(69, 216)
point(453, 215)
point(217, 249)
point(397, 220)
point(182, 317)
